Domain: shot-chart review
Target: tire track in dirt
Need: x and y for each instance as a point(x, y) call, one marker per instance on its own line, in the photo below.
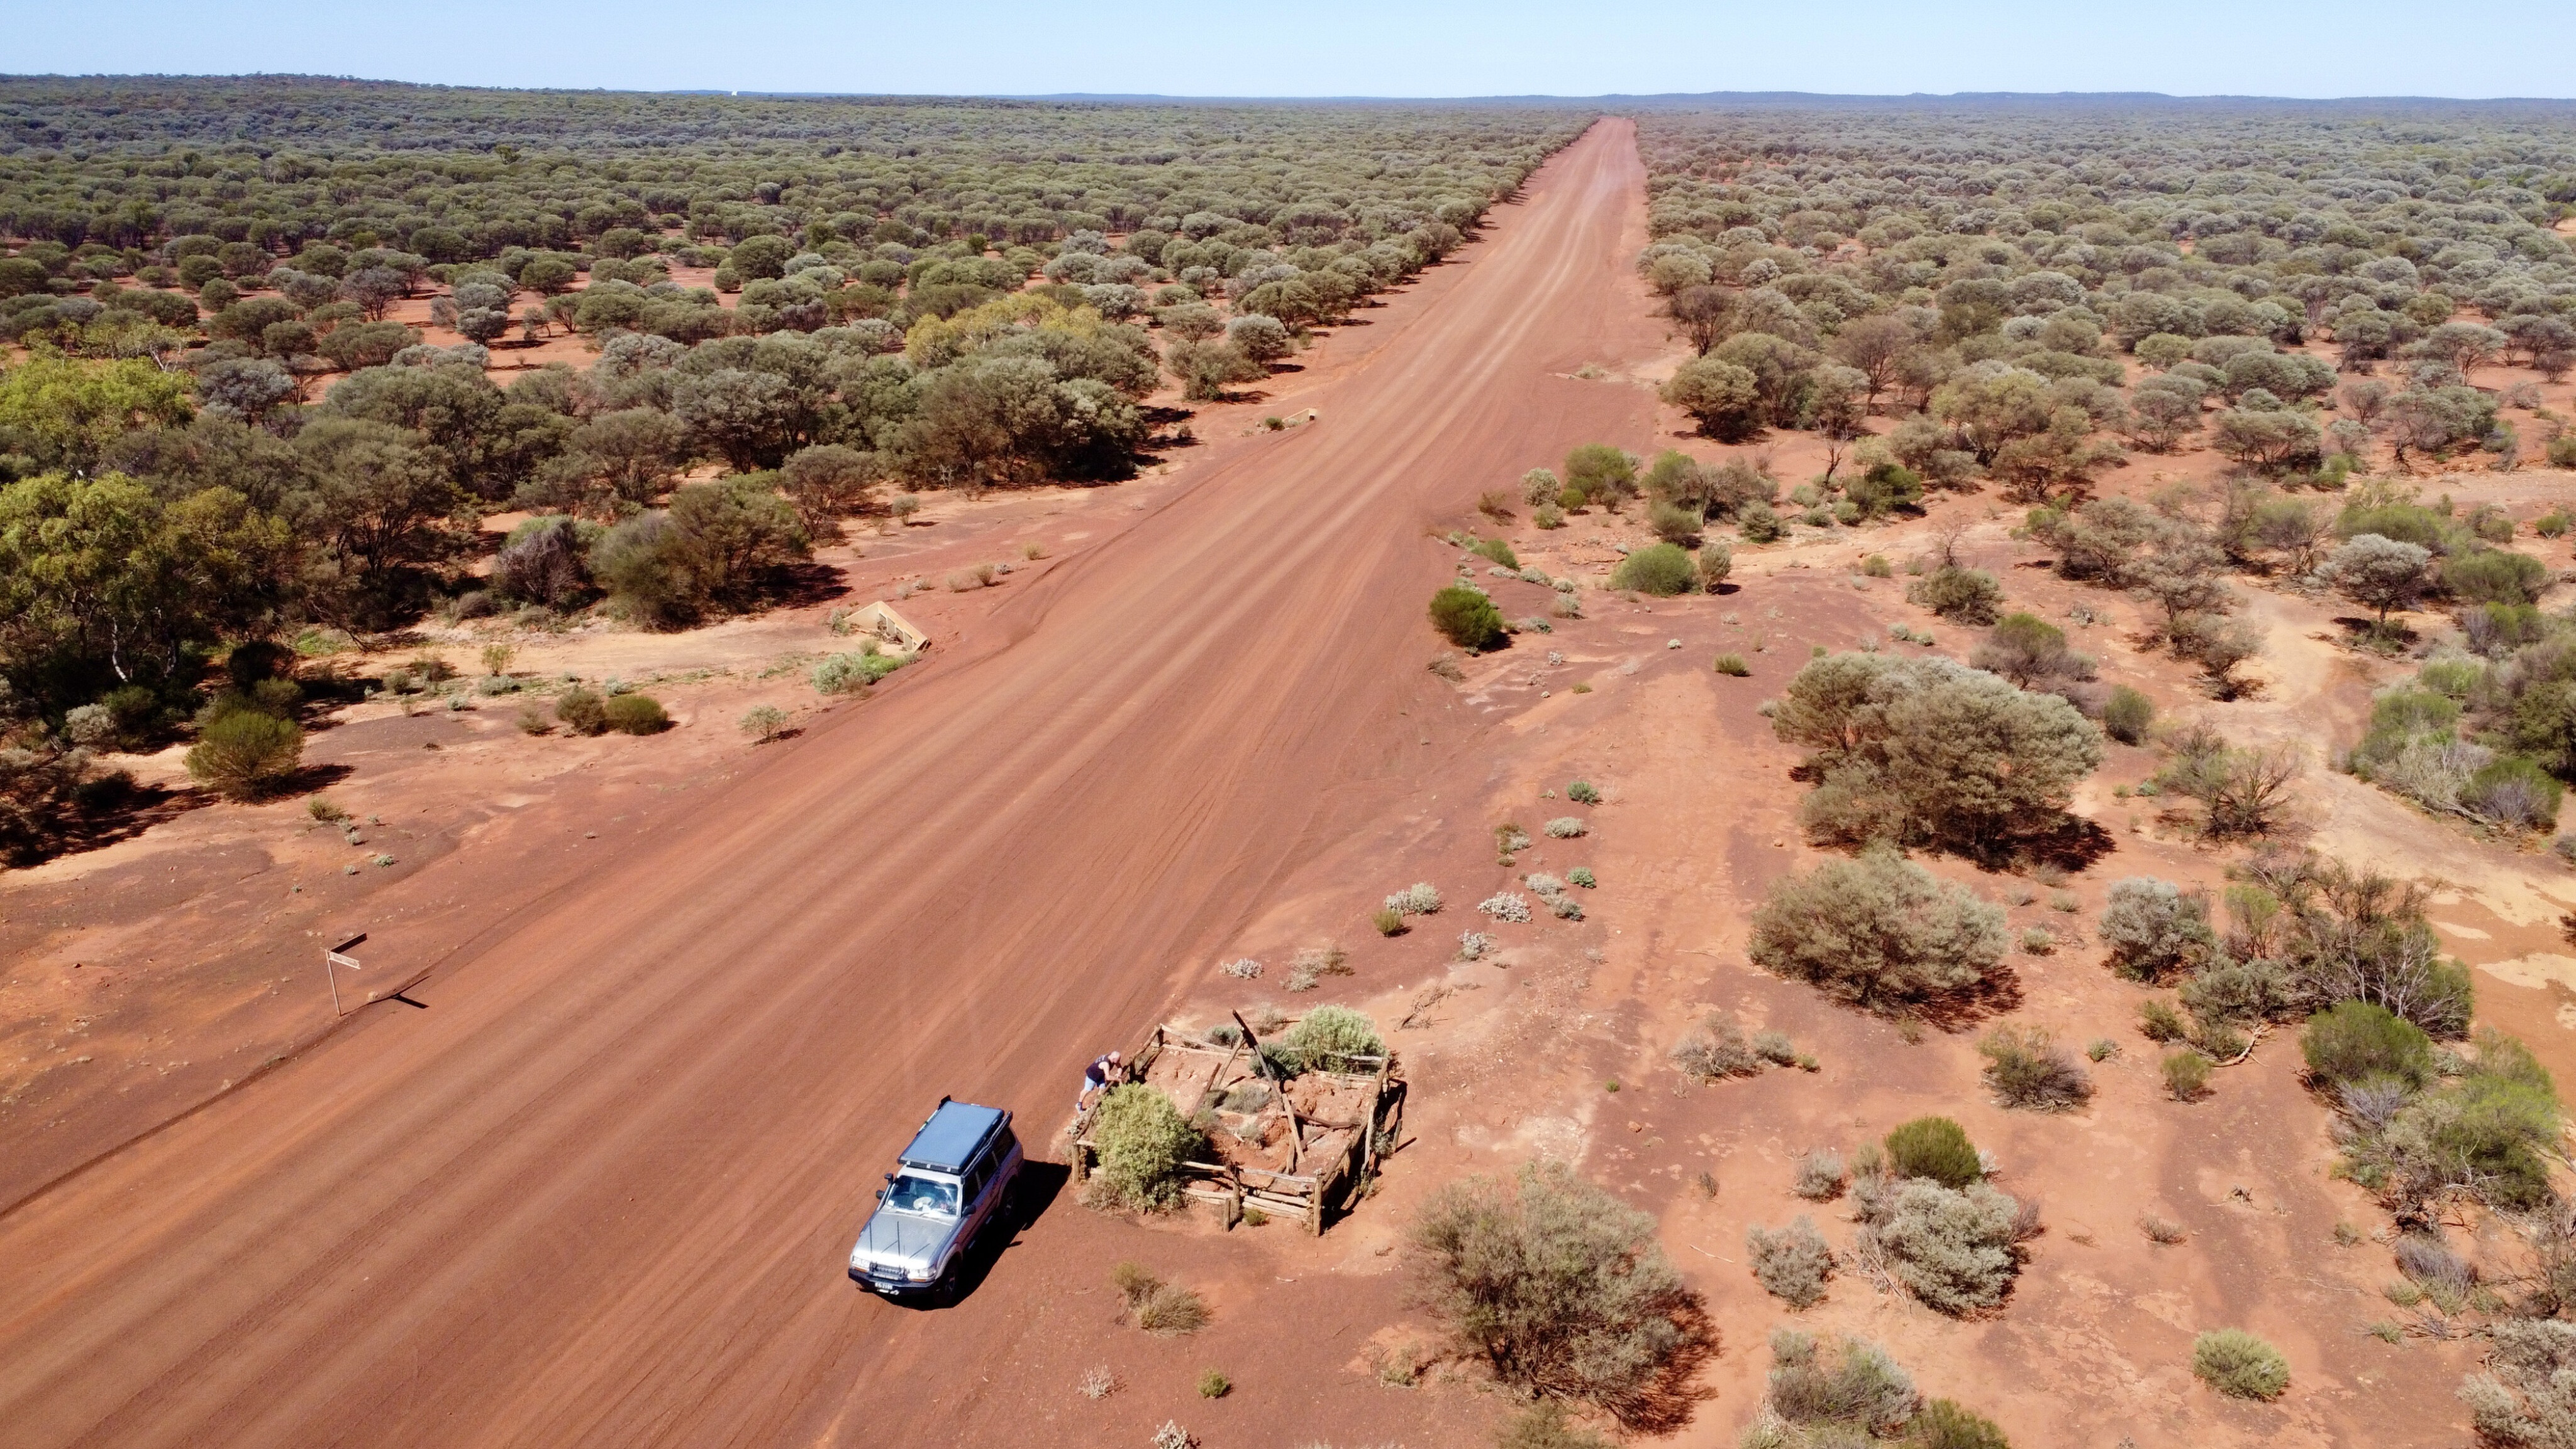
point(601, 1192)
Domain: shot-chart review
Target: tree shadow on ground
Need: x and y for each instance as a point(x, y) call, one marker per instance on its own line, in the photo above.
point(2072, 844)
point(809, 583)
point(110, 814)
point(1667, 1401)
point(1999, 994)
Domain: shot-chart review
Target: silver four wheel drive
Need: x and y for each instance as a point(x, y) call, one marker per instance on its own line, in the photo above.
point(948, 1185)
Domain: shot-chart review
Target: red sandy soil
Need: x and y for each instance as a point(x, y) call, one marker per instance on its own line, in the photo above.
point(602, 1188)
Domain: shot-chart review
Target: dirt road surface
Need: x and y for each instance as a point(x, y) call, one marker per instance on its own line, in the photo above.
point(600, 1192)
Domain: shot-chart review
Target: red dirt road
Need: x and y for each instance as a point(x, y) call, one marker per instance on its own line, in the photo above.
point(601, 1191)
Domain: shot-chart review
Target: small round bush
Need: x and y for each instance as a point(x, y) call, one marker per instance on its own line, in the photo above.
point(2153, 928)
point(2515, 792)
point(1945, 1425)
point(1758, 522)
point(1326, 1038)
point(1466, 618)
point(1716, 561)
point(1936, 1148)
point(2186, 1075)
point(246, 754)
point(2127, 714)
point(582, 711)
point(1143, 1141)
point(1792, 1264)
point(2356, 1041)
point(1967, 595)
point(636, 714)
point(2238, 1364)
point(1661, 569)
point(1583, 792)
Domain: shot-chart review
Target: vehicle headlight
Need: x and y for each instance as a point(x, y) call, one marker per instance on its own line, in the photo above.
point(918, 1275)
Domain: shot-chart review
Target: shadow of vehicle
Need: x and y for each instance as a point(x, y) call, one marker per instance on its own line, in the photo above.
point(1032, 1193)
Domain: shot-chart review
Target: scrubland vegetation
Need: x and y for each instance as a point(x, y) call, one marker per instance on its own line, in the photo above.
point(787, 312)
point(1982, 274)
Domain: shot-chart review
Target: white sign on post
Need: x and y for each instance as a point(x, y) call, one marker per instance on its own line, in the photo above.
point(338, 956)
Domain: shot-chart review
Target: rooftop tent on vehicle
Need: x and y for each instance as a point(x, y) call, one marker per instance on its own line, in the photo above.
point(952, 1136)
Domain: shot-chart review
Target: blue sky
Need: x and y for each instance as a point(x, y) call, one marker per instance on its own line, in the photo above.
point(1335, 47)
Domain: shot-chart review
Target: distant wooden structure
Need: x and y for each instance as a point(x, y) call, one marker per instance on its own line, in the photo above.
point(1301, 1149)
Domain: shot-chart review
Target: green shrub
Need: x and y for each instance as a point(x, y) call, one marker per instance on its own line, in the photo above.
point(1924, 749)
point(1143, 1141)
point(1880, 932)
point(1935, 1148)
point(2238, 1364)
point(1945, 1425)
point(1733, 666)
point(1558, 1286)
point(1716, 561)
point(246, 754)
point(763, 722)
point(1326, 1038)
point(1214, 1385)
point(635, 714)
point(1389, 921)
point(2160, 1022)
point(1661, 569)
point(1601, 472)
point(1675, 524)
point(2127, 714)
point(2186, 1075)
point(1967, 595)
point(2359, 1041)
point(582, 711)
point(1581, 792)
point(1758, 522)
point(1543, 1425)
point(1497, 550)
point(1466, 618)
point(2494, 576)
point(849, 673)
point(2513, 791)
point(2488, 1133)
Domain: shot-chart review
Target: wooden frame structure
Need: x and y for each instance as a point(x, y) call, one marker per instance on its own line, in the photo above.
point(1331, 1146)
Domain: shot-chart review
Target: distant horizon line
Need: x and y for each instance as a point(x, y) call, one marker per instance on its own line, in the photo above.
point(1157, 97)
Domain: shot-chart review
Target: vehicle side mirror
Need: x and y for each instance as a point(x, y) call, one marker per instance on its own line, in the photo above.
point(881, 1194)
point(889, 1177)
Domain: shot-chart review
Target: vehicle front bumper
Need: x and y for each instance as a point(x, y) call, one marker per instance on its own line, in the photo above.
point(890, 1280)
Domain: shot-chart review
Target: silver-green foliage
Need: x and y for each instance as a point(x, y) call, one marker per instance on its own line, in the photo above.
point(2526, 1399)
point(1924, 749)
point(1791, 1263)
point(1879, 931)
point(1558, 1286)
point(1951, 1248)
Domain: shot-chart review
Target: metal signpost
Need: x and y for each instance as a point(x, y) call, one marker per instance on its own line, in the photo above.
point(339, 956)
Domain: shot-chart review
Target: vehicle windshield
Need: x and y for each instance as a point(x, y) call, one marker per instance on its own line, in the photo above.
point(926, 1195)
